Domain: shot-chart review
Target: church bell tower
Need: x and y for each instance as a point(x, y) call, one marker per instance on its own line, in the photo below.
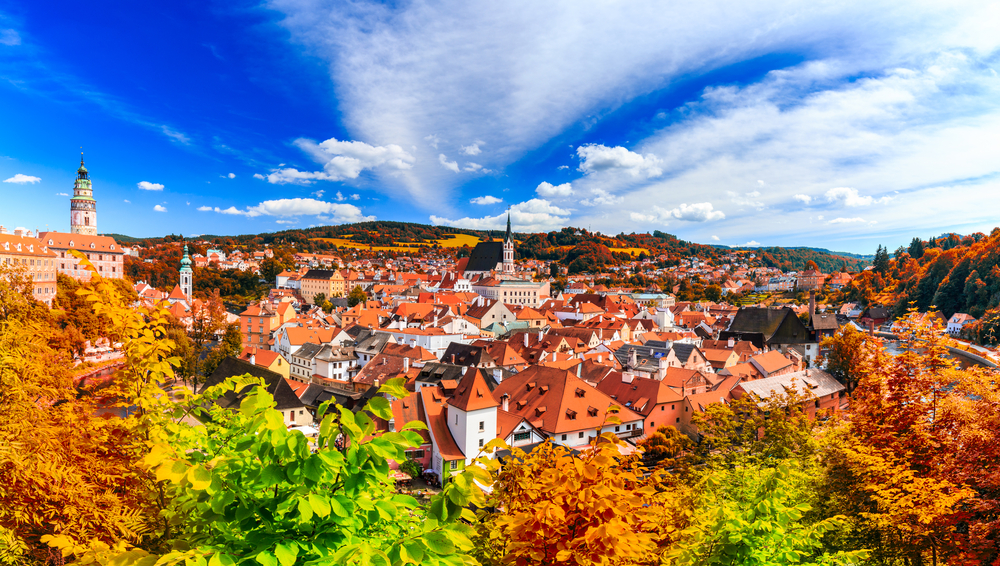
point(83, 207)
point(187, 276)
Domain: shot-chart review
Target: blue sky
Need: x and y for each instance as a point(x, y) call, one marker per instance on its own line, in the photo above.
point(841, 125)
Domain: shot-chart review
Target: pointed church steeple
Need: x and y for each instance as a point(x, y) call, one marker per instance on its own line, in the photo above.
point(508, 237)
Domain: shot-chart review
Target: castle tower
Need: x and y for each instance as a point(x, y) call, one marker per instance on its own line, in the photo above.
point(187, 276)
point(83, 207)
point(508, 250)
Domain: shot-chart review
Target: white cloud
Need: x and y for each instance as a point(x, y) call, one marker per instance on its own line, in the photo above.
point(62, 194)
point(804, 199)
point(561, 167)
point(751, 244)
point(473, 149)
point(205, 208)
point(175, 135)
point(596, 157)
point(339, 197)
point(846, 220)
point(159, 208)
point(885, 99)
point(286, 221)
point(9, 37)
point(549, 190)
point(470, 166)
point(697, 212)
point(486, 199)
point(715, 238)
point(259, 176)
point(126, 201)
point(318, 194)
point(147, 186)
point(332, 212)
point(22, 179)
point(602, 198)
point(432, 140)
point(449, 165)
point(232, 175)
point(355, 196)
point(343, 160)
point(535, 215)
point(847, 196)
point(746, 199)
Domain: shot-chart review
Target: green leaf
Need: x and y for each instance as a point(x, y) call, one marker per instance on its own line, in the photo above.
point(414, 551)
point(439, 543)
point(265, 558)
point(320, 505)
point(221, 560)
point(286, 553)
point(305, 510)
point(199, 477)
point(379, 407)
point(337, 508)
point(414, 425)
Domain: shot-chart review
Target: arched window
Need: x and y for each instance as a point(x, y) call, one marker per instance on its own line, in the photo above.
point(86, 221)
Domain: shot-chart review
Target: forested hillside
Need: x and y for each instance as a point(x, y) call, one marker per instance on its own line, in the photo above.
point(952, 274)
point(576, 248)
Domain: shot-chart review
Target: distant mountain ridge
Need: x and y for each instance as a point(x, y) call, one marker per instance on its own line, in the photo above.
point(575, 248)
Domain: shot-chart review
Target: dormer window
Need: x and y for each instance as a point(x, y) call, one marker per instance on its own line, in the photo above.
point(50, 242)
point(71, 244)
point(92, 246)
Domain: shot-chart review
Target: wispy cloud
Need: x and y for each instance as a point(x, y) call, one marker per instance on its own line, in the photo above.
point(22, 179)
point(486, 199)
point(160, 208)
point(147, 186)
point(333, 212)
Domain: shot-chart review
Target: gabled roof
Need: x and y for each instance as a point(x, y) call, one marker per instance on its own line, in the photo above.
point(770, 362)
point(275, 382)
point(467, 355)
point(473, 393)
point(436, 411)
point(556, 401)
point(759, 320)
point(628, 394)
point(813, 381)
point(177, 294)
point(485, 256)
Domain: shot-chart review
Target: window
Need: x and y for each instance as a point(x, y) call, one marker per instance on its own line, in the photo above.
point(564, 438)
point(678, 419)
point(480, 442)
point(456, 419)
point(482, 426)
point(617, 428)
point(580, 434)
point(415, 454)
point(521, 436)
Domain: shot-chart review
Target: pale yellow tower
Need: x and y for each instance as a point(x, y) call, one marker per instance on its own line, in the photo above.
point(83, 207)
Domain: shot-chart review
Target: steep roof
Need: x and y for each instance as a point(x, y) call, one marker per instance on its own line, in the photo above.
point(436, 410)
point(472, 393)
point(485, 256)
point(770, 362)
point(813, 381)
point(467, 355)
point(759, 320)
point(556, 401)
point(642, 394)
point(275, 383)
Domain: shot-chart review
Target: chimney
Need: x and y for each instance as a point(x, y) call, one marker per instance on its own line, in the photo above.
point(253, 356)
point(632, 358)
point(732, 342)
point(406, 364)
point(812, 303)
point(525, 339)
point(627, 377)
point(578, 368)
point(453, 359)
point(600, 359)
point(506, 402)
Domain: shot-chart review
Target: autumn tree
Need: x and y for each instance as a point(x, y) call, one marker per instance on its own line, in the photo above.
point(65, 469)
point(914, 467)
point(557, 508)
point(848, 355)
point(356, 296)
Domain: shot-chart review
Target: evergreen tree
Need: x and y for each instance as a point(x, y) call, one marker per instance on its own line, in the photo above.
point(881, 263)
point(916, 248)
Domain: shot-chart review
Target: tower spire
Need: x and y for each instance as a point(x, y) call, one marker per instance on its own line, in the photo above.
point(508, 237)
